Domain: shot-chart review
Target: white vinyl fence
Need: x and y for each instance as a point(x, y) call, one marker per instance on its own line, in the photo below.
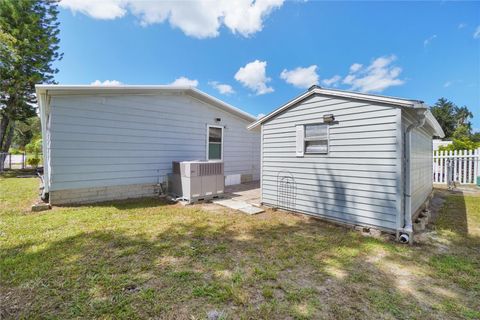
point(462, 166)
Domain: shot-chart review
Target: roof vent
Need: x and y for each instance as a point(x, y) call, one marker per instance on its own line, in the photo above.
point(315, 86)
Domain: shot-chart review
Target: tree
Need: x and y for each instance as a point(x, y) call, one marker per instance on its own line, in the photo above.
point(475, 137)
point(34, 149)
point(462, 132)
point(461, 140)
point(8, 55)
point(444, 112)
point(461, 144)
point(455, 122)
point(29, 45)
point(451, 117)
point(25, 132)
point(463, 116)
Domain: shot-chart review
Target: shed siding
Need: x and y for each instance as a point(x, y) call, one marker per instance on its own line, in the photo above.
point(421, 178)
point(356, 182)
point(100, 141)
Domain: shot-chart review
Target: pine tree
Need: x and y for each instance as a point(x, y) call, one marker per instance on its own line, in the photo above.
point(28, 47)
point(451, 117)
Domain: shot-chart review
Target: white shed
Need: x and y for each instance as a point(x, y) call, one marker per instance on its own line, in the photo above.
point(353, 158)
point(114, 142)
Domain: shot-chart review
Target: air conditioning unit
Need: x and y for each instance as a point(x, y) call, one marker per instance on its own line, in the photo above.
point(197, 180)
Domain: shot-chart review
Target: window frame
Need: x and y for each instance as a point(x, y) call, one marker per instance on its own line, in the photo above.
point(305, 139)
point(208, 143)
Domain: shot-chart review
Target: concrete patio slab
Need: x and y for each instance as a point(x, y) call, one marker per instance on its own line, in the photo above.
point(239, 205)
point(248, 192)
point(243, 197)
point(232, 204)
point(252, 210)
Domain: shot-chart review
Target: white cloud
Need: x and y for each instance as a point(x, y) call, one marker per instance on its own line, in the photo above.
point(378, 76)
point(199, 19)
point(461, 25)
point(301, 77)
point(260, 115)
point(332, 82)
point(476, 34)
point(222, 87)
point(97, 9)
point(253, 76)
point(106, 83)
point(355, 67)
point(447, 84)
point(429, 40)
point(349, 79)
point(246, 17)
point(184, 81)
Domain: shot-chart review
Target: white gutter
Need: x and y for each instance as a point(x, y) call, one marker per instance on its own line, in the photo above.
point(407, 230)
point(434, 124)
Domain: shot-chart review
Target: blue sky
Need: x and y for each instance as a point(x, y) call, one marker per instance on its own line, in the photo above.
point(257, 56)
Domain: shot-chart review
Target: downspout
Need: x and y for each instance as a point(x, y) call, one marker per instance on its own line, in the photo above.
point(406, 235)
point(44, 101)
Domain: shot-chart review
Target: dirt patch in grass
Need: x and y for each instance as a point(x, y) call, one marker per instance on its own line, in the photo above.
point(149, 259)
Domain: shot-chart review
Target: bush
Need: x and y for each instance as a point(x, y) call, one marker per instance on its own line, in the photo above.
point(33, 161)
point(34, 147)
point(461, 144)
point(15, 151)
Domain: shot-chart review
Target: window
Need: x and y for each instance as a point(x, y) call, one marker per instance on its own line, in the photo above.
point(316, 138)
point(215, 136)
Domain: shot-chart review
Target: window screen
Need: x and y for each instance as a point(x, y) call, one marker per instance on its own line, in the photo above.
point(214, 143)
point(316, 138)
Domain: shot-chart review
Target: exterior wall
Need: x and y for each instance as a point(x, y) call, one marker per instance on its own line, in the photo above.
point(421, 172)
point(124, 140)
point(357, 182)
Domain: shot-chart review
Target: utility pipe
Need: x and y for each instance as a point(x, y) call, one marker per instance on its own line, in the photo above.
point(407, 229)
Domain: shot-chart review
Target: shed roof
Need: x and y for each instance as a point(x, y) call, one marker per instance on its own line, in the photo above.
point(394, 101)
point(58, 90)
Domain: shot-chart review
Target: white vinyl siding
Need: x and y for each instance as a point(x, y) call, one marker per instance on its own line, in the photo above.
point(132, 139)
point(357, 181)
point(421, 163)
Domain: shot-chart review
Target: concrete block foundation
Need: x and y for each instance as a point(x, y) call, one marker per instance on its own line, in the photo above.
point(101, 194)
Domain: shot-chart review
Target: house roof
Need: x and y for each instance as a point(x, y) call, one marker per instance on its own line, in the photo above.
point(58, 90)
point(394, 101)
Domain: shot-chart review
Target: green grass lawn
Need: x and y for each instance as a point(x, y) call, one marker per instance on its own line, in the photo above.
point(148, 259)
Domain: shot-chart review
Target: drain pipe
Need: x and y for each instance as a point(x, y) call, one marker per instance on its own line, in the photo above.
point(407, 230)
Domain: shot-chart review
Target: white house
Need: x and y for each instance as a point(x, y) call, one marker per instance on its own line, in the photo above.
point(114, 142)
point(353, 158)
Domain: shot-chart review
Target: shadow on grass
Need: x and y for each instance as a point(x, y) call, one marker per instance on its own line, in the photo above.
point(453, 215)
point(14, 173)
point(300, 268)
point(127, 204)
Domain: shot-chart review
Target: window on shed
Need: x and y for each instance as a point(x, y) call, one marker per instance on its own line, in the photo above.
point(316, 138)
point(214, 143)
